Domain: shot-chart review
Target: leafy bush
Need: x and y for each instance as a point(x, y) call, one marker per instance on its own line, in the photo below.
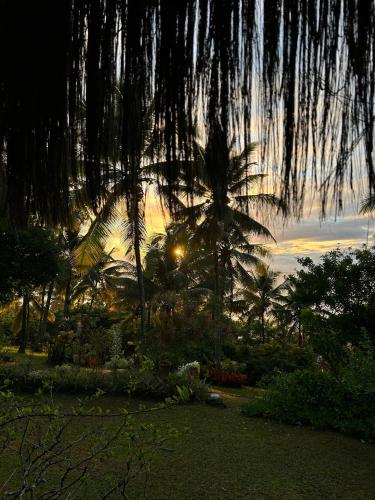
point(190, 369)
point(180, 348)
point(117, 363)
point(90, 347)
point(6, 321)
point(229, 365)
point(140, 379)
point(61, 348)
point(344, 401)
point(225, 378)
point(197, 388)
point(266, 359)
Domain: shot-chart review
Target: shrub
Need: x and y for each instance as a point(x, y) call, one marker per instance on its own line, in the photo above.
point(225, 378)
point(117, 363)
point(141, 380)
point(197, 388)
point(266, 359)
point(229, 365)
point(344, 401)
point(61, 347)
point(6, 322)
point(190, 369)
point(179, 350)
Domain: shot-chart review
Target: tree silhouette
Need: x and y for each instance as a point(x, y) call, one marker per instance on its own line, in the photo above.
point(303, 70)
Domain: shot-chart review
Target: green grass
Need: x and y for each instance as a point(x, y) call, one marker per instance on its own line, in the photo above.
point(37, 359)
point(229, 456)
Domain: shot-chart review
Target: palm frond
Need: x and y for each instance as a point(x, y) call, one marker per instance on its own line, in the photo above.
point(249, 225)
point(368, 206)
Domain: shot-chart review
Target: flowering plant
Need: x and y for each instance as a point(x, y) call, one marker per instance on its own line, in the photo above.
point(189, 368)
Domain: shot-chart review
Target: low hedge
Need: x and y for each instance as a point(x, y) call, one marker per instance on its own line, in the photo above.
point(67, 378)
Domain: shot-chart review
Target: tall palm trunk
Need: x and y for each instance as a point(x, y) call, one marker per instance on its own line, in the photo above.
point(43, 296)
point(300, 334)
point(149, 316)
point(138, 262)
point(217, 310)
point(263, 328)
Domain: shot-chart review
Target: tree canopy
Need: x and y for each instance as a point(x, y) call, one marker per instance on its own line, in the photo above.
point(300, 71)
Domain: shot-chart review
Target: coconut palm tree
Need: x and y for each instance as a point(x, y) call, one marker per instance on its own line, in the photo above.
point(287, 309)
point(221, 215)
point(98, 280)
point(259, 292)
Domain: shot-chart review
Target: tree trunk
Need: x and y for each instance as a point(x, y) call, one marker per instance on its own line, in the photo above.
point(217, 311)
point(92, 300)
point(300, 334)
point(138, 263)
point(263, 329)
point(24, 328)
point(43, 296)
point(67, 295)
point(43, 326)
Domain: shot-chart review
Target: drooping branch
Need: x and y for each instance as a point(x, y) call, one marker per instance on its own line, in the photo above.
point(296, 75)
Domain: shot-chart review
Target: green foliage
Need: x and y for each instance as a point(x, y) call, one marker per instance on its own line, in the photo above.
point(52, 457)
point(341, 290)
point(196, 388)
point(263, 360)
point(344, 401)
point(140, 378)
point(325, 339)
point(6, 321)
point(230, 365)
point(27, 259)
point(85, 339)
point(183, 343)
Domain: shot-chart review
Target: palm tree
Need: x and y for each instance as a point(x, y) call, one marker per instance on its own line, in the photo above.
point(259, 293)
point(98, 279)
point(288, 307)
point(172, 277)
point(221, 218)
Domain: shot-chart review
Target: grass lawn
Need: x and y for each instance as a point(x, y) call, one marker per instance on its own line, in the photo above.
point(36, 359)
point(229, 456)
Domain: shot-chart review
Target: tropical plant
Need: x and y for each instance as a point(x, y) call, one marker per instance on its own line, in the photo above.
point(220, 217)
point(259, 293)
point(287, 310)
point(368, 205)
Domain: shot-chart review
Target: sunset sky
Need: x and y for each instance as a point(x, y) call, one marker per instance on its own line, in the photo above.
point(308, 237)
point(311, 237)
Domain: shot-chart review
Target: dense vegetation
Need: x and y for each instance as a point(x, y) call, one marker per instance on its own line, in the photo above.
point(195, 305)
point(108, 104)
